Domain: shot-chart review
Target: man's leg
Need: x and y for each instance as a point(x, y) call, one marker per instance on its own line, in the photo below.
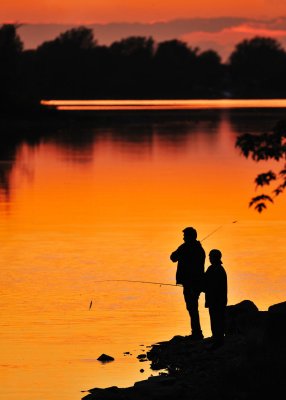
point(192, 303)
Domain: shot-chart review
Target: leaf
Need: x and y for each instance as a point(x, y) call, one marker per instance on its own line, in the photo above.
point(278, 191)
point(265, 178)
point(282, 172)
point(266, 146)
point(261, 198)
point(260, 207)
point(280, 188)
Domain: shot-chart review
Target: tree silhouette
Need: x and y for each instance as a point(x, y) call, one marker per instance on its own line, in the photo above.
point(74, 66)
point(175, 69)
point(210, 74)
point(10, 42)
point(131, 60)
point(267, 146)
point(10, 52)
point(257, 68)
point(63, 64)
point(72, 40)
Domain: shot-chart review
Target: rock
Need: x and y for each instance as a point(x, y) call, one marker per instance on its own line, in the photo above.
point(157, 388)
point(100, 390)
point(162, 380)
point(141, 357)
point(109, 393)
point(250, 364)
point(105, 358)
point(177, 339)
point(234, 320)
point(248, 322)
point(253, 328)
point(276, 326)
point(278, 308)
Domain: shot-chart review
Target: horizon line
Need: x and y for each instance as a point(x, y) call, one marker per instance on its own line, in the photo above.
point(144, 22)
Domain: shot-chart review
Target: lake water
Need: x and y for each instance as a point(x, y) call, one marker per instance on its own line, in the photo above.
point(109, 200)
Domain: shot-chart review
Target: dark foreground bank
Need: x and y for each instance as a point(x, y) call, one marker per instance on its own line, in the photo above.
point(250, 365)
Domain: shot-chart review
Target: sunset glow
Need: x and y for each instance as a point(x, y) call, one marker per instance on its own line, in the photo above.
point(111, 204)
point(88, 11)
point(163, 20)
point(95, 196)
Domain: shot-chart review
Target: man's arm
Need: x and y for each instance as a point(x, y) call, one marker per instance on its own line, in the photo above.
point(176, 254)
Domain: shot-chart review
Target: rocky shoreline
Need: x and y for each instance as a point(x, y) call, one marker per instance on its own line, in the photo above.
point(251, 363)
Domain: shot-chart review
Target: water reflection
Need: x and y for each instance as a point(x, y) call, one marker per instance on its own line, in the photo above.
point(106, 199)
point(258, 121)
point(77, 141)
point(135, 135)
point(5, 172)
point(8, 154)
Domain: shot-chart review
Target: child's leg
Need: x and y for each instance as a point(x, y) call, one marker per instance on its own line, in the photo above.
point(217, 318)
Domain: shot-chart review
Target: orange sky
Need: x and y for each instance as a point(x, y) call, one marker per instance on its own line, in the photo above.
point(87, 11)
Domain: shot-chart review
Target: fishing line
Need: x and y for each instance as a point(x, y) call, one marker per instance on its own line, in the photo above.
point(127, 280)
point(157, 283)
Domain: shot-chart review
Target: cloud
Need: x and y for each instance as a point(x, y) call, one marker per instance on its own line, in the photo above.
point(220, 34)
point(224, 41)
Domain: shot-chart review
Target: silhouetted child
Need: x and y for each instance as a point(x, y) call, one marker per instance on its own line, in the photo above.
point(216, 296)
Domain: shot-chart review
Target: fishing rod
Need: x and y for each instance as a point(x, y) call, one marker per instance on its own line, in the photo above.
point(157, 283)
point(147, 282)
point(215, 230)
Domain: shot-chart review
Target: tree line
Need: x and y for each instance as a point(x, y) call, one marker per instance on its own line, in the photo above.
point(75, 66)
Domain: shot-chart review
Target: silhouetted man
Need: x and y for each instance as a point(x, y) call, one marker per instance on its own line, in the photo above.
point(190, 273)
point(216, 297)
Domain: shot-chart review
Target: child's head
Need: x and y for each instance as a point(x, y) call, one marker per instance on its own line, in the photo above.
point(215, 256)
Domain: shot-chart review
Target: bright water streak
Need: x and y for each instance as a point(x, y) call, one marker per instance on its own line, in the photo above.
point(110, 203)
